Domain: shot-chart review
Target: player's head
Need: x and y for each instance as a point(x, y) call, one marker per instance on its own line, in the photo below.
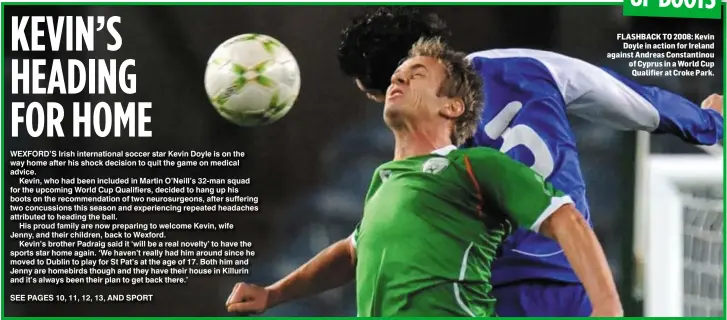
point(374, 44)
point(435, 85)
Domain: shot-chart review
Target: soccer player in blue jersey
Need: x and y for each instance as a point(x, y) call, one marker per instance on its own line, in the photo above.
point(528, 94)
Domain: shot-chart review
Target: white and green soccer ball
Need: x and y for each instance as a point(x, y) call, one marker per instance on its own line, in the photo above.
point(252, 79)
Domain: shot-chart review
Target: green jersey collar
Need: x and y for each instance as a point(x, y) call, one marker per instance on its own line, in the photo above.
point(443, 151)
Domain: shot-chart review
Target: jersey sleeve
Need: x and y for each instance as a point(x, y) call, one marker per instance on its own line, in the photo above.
point(354, 235)
point(512, 188)
point(603, 96)
point(606, 97)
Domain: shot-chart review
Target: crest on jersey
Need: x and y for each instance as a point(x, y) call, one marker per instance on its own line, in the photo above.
point(435, 165)
point(384, 174)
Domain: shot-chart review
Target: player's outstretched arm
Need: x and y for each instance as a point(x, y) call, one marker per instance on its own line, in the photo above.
point(604, 96)
point(585, 255)
point(521, 195)
point(331, 268)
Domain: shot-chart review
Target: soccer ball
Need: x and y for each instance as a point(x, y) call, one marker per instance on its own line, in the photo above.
point(252, 79)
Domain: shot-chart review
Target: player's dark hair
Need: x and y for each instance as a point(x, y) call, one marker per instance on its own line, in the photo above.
point(461, 81)
point(372, 47)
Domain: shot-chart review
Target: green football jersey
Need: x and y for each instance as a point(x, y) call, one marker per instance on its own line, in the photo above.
point(431, 227)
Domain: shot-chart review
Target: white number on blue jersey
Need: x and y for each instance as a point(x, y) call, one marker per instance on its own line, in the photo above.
point(520, 135)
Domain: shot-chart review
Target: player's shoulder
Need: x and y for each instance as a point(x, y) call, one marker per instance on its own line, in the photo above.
point(480, 154)
point(526, 59)
point(513, 53)
point(485, 160)
point(524, 67)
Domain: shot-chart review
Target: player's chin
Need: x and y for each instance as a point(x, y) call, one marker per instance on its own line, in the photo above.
point(393, 113)
point(393, 107)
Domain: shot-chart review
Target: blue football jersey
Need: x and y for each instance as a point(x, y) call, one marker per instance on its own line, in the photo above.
point(528, 95)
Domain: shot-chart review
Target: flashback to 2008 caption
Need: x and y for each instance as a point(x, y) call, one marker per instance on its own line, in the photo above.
point(667, 54)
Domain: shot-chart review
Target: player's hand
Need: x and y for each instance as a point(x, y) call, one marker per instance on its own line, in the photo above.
point(247, 299)
point(714, 102)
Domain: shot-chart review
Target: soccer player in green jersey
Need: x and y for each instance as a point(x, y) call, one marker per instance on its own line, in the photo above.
point(435, 215)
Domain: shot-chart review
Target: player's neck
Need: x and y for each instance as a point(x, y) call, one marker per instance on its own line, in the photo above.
point(412, 143)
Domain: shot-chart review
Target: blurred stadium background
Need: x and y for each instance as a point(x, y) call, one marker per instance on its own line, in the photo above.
point(311, 169)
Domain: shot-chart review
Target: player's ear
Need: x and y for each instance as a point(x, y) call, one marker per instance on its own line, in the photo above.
point(453, 109)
